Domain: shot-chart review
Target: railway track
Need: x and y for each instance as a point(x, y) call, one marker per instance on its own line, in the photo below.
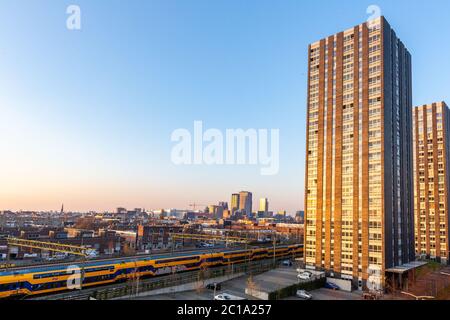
point(131, 257)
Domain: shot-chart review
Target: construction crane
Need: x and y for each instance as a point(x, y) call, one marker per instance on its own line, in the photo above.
point(50, 246)
point(55, 247)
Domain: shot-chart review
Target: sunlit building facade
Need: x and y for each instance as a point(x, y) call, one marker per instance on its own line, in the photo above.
point(431, 125)
point(359, 190)
point(234, 202)
point(245, 202)
point(264, 205)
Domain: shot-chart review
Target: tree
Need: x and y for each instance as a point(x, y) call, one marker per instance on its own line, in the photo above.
point(252, 286)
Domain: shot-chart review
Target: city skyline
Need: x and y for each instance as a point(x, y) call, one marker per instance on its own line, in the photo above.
point(93, 131)
point(256, 207)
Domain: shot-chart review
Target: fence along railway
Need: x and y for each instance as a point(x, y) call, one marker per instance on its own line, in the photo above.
point(55, 278)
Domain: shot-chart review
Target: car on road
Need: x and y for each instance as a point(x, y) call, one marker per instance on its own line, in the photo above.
point(305, 295)
point(214, 285)
point(305, 276)
point(287, 263)
point(331, 286)
point(227, 296)
point(300, 270)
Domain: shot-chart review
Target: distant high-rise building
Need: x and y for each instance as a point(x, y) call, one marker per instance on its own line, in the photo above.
point(282, 213)
point(212, 208)
point(264, 205)
point(219, 212)
point(121, 210)
point(300, 216)
point(245, 202)
point(216, 211)
point(226, 214)
point(224, 205)
point(234, 203)
point(431, 125)
point(359, 219)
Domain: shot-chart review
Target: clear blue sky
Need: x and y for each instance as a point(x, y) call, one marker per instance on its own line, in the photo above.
point(86, 116)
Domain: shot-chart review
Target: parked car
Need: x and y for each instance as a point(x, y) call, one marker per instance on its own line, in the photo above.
point(305, 295)
point(206, 245)
point(287, 263)
point(214, 285)
point(226, 296)
point(91, 253)
point(331, 286)
point(304, 276)
point(304, 271)
point(369, 296)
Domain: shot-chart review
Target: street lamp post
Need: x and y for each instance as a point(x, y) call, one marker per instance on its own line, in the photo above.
point(274, 249)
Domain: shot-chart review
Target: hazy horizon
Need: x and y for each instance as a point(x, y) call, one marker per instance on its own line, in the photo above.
point(86, 115)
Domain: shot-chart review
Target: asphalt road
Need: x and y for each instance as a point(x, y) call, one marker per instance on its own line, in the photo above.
point(235, 287)
point(327, 294)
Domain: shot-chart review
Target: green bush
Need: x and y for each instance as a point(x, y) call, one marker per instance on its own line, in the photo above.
point(292, 290)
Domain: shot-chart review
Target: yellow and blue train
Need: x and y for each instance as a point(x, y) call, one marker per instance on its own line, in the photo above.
point(53, 278)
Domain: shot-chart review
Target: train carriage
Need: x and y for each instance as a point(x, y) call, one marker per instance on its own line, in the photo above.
point(50, 279)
